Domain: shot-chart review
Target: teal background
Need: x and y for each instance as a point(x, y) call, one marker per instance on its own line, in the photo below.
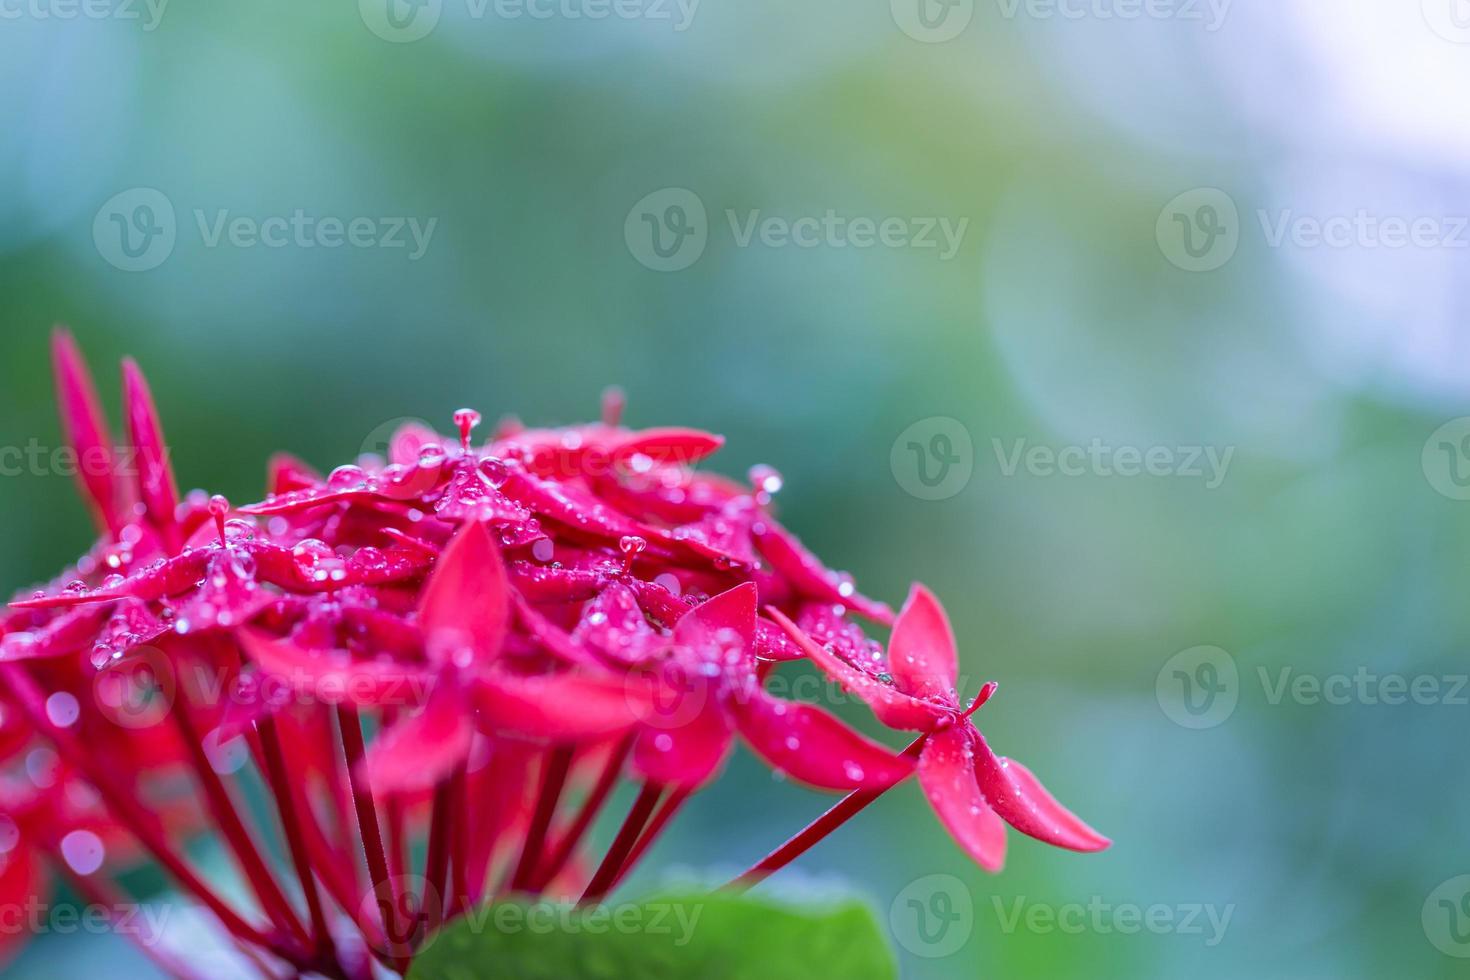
point(1334, 542)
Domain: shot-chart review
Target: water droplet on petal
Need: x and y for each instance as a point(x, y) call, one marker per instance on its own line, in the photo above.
point(83, 851)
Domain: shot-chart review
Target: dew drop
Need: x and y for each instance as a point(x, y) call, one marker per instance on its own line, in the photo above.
point(83, 851)
point(62, 708)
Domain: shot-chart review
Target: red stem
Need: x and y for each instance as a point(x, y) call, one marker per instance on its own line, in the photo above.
point(281, 789)
point(811, 835)
point(384, 887)
point(434, 902)
point(612, 863)
point(128, 811)
point(460, 837)
point(558, 762)
point(573, 835)
point(222, 808)
point(666, 811)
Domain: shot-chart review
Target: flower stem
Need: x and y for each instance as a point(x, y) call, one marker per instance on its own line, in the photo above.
point(558, 762)
point(281, 788)
point(126, 808)
point(666, 811)
point(612, 863)
point(232, 828)
point(434, 902)
point(591, 807)
point(814, 832)
point(384, 887)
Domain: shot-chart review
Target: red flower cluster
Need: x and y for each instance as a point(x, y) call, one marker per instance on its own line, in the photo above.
point(465, 646)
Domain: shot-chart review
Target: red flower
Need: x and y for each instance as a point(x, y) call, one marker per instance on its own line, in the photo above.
point(973, 791)
point(552, 608)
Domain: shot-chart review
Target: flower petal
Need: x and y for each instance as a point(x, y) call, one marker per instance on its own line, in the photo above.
point(689, 742)
point(86, 431)
point(667, 446)
point(947, 774)
point(559, 707)
point(614, 623)
point(466, 603)
point(892, 707)
point(424, 748)
point(156, 486)
point(814, 747)
point(1024, 803)
point(335, 678)
point(921, 652)
point(732, 612)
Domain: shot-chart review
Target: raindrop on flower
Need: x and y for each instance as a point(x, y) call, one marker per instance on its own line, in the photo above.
point(62, 709)
point(83, 851)
point(346, 477)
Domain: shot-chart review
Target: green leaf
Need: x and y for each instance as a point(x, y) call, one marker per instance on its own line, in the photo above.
point(712, 937)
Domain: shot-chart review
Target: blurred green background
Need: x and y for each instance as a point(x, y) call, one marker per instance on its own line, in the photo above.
point(1134, 189)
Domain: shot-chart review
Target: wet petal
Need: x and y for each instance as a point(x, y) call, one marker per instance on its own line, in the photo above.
point(156, 486)
point(947, 775)
point(690, 741)
point(1024, 803)
point(921, 652)
point(729, 614)
point(892, 707)
point(335, 678)
point(465, 607)
point(558, 707)
point(86, 431)
point(814, 747)
point(424, 748)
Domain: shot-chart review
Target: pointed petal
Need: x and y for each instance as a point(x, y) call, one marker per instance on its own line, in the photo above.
point(921, 652)
point(566, 504)
point(614, 623)
point(166, 578)
point(559, 707)
point(422, 749)
point(947, 774)
point(667, 446)
point(68, 633)
point(1024, 803)
point(335, 678)
point(689, 743)
point(809, 576)
point(772, 643)
point(286, 474)
point(86, 431)
point(814, 747)
point(156, 486)
point(466, 603)
point(730, 613)
point(892, 707)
